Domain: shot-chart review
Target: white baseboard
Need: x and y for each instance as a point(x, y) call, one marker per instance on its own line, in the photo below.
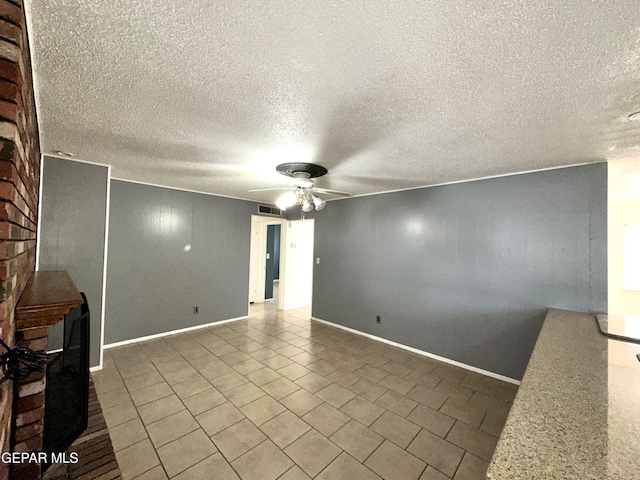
point(421, 352)
point(173, 332)
point(97, 368)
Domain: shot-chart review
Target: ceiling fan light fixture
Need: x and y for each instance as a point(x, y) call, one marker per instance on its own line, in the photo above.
point(307, 206)
point(287, 200)
point(319, 203)
point(634, 116)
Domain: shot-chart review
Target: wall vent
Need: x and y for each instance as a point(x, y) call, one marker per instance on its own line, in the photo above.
point(266, 209)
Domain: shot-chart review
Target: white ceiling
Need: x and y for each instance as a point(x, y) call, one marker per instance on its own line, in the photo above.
point(387, 94)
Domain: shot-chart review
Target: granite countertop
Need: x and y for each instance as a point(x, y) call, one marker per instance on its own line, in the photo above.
point(577, 412)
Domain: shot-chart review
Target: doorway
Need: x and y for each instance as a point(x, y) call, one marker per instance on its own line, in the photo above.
point(281, 262)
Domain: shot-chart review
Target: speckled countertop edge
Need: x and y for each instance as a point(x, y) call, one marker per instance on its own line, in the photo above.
point(557, 427)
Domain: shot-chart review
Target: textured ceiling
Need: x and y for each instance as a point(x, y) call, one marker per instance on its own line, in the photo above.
point(387, 94)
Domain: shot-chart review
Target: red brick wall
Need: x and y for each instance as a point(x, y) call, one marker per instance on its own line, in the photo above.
point(19, 184)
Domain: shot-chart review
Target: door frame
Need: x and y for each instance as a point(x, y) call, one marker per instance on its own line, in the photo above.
point(258, 257)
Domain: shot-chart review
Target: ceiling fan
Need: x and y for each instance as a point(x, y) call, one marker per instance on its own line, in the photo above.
point(302, 190)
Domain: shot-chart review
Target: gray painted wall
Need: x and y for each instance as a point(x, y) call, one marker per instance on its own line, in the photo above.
point(152, 282)
point(71, 236)
point(466, 271)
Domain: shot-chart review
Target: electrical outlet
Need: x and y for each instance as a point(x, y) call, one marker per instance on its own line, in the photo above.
point(196, 309)
point(378, 319)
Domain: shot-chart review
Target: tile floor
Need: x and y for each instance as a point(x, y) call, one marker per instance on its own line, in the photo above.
point(278, 396)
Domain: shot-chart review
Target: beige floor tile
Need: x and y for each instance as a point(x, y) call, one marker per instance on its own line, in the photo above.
point(335, 395)
point(324, 452)
point(372, 373)
point(471, 468)
point(203, 401)
point(106, 380)
point(356, 439)
point(244, 394)
point(425, 379)
point(204, 361)
point(280, 388)
point(151, 393)
point(345, 467)
point(181, 375)
point(350, 363)
point(304, 358)
point(285, 428)
point(368, 389)
point(127, 433)
point(432, 474)
point(463, 412)
point(489, 404)
point(397, 384)
point(374, 359)
point(453, 390)
point(330, 355)
point(434, 421)
point(276, 362)
point(114, 397)
point(215, 370)
point(396, 403)
point(144, 380)
point(295, 473)
point(301, 402)
point(362, 410)
point(289, 351)
point(262, 410)
point(449, 373)
point(169, 428)
point(137, 459)
point(293, 371)
point(154, 411)
point(326, 419)
point(263, 354)
point(395, 428)
point(185, 452)
point(238, 439)
point(191, 387)
point(422, 364)
point(393, 463)
point(438, 453)
point(262, 376)
point(248, 366)
point(493, 423)
point(119, 414)
point(229, 381)
point(472, 440)
point(323, 367)
point(234, 357)
point(156, 473)
point(219, 418)
point(343, 377)
point(215, 467)
point(264, 462)
point(313, 382)
point(427, 397)
point(166, 367)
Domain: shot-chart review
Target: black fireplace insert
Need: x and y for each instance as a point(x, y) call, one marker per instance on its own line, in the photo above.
point(67, 388)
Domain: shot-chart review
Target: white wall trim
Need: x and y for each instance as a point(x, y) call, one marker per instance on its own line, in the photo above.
point(173, 332)
point(97, 368)
point(511, 174)
point(194, 191)
point(421, 352)
point(39, 213)
point(104, 266)
point(74, 159)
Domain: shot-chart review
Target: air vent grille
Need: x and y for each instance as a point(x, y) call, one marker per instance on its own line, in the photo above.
point(266, 209)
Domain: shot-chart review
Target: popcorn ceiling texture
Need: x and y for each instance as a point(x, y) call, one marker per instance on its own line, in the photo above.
point(211, 95)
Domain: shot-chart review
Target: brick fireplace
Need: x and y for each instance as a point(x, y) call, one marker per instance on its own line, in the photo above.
point(19, 185)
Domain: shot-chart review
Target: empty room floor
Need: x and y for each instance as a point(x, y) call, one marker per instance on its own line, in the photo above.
point(278, 396)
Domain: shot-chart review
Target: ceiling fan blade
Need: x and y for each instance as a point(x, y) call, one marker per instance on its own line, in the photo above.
point(331, 192)
point(271, 189)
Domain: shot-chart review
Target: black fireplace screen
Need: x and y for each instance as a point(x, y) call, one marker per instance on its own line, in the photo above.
point(67, 388)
